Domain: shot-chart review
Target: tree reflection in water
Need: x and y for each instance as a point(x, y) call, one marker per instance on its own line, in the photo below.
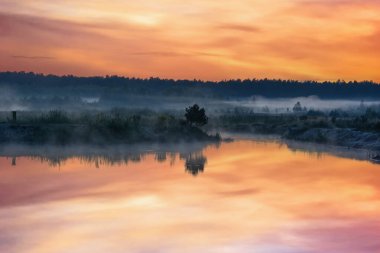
point(160, 157)
point(191, 154)
point(195, 163)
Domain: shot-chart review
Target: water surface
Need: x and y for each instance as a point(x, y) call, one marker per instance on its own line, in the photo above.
point(244, 196)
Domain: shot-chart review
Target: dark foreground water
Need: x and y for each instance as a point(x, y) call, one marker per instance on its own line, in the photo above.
point(244, 196)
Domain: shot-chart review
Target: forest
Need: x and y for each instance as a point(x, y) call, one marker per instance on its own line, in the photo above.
point(116, 87)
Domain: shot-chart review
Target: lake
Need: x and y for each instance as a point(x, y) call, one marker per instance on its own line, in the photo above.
point(242, 196)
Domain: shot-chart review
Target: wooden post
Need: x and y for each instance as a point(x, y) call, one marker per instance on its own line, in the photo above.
point(14, 116)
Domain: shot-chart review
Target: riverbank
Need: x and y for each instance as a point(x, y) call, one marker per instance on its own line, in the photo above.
point(359, 132)
point(349, 138)
point(126, 127)
point(63, 134)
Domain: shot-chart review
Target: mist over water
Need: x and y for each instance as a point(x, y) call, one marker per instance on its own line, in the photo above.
point(30, 91)
point(10, 101)
point(310, 103)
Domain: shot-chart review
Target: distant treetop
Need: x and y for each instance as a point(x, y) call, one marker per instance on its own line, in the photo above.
point(32, 83)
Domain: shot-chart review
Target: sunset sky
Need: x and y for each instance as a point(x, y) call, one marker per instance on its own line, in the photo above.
point(203, 39)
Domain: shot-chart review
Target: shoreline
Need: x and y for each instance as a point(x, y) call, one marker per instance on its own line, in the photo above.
point(78, 134)
point(68, 134)
point(118, 152)
point(342, 137)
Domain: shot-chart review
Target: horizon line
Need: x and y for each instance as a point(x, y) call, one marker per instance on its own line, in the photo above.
point(194, 79)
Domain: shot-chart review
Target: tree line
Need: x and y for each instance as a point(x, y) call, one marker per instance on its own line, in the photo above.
point(29, 83)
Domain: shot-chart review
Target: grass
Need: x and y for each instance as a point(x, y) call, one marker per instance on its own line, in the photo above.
point(114, 126)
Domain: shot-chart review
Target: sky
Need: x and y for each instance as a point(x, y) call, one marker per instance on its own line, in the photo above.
point(202, 39)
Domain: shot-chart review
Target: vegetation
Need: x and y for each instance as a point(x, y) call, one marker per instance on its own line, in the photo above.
point(358, 129)
point(196, 116)
point(115, 126)
point(109, 89)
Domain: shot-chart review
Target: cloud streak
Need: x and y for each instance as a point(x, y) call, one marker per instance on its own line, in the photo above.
point(33, 57)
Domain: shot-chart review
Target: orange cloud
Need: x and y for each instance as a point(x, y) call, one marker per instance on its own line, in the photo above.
point(297, 39)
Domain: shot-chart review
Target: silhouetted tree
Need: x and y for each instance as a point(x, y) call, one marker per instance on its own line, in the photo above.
point(196, 116)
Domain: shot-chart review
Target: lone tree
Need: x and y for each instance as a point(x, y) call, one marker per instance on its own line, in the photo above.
point(196, 116)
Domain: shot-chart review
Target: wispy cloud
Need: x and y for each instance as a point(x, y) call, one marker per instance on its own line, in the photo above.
point(239, 27)
point(33, 57)
point(158, 53)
